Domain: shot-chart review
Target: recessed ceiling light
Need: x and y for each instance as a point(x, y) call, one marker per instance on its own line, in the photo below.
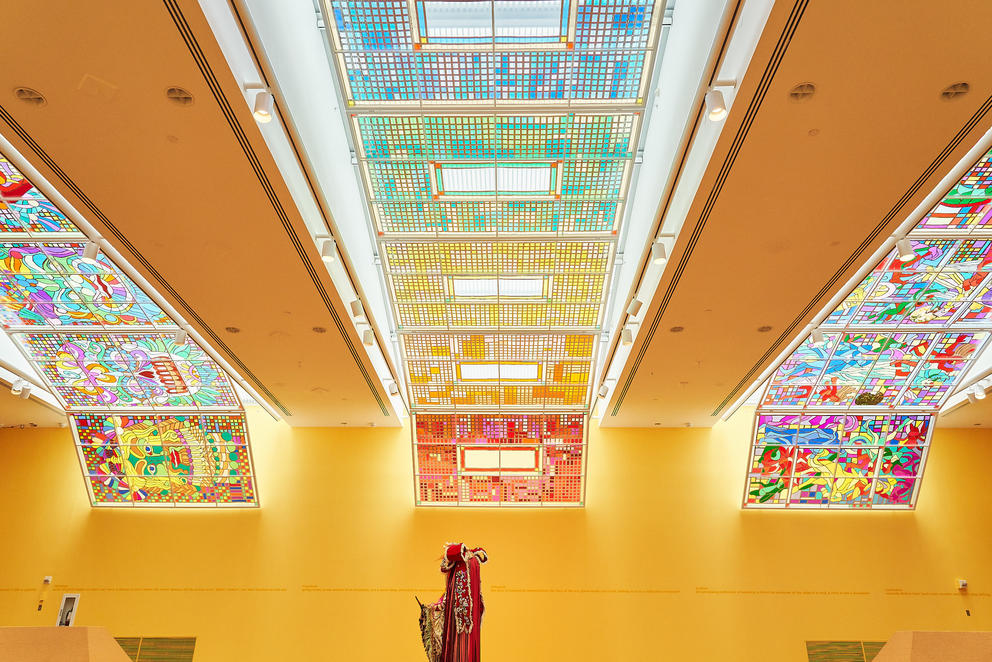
point(319, 329)
point(179, 96)
point(764, 329)
point(29, 95)
point(677, 329)
point(232, 329)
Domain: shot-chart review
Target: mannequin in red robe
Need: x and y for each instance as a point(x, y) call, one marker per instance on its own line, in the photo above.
point(462, 603)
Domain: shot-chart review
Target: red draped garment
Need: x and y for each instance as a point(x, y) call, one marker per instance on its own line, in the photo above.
point(462, 603)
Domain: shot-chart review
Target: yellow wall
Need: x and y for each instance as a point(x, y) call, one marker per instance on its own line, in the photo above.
point(662, 563)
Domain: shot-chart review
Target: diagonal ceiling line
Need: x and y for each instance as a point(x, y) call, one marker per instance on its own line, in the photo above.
point(766, 80)
point(857, 256)
point(208, 75)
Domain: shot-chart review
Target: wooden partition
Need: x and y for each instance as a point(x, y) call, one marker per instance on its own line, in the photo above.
point(937, 647)
point(59, 644)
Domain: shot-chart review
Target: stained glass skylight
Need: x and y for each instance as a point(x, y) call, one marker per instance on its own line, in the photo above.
point(156, 419)
point(500, 460)
point(496, 141)
point(845, 420)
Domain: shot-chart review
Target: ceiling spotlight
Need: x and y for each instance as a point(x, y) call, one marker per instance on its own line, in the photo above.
point(627, 336)
point(659, 255)
point(716, 106)
point(971, 398)
point(329, 252)
point(368, 337)
point(817, 338)
point(357, 309)
point(180, 338)
point(16, 387)
point(979, 392)
point(905, 248)
point(634, 307)
point(264, 107)
point(393, 388)
point(26, 391)
point(604, 391)
point(90, 250)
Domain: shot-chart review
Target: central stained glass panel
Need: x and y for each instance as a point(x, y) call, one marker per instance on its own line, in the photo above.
point(496, 144)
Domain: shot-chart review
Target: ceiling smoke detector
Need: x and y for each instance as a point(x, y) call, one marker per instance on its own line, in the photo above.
point(30, 95)
point(802, 92)
point(954, 91)
point(179, 96)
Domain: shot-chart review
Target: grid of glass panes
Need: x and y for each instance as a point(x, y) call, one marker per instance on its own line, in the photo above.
point(500, 460)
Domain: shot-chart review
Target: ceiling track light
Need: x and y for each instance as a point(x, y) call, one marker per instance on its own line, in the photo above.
point(659, 254)
point(634, 307)
point(26, 391)
point(627, 336)
point(357, 309)
point(817, 338)
point(905, 248)
point(604, 390)
point(90, 251)
point(979, 392)
point(368, 337)
point(971, 398)
point(180, 337)
point(17, 387)
point(393, 388)
point(329, 251)
point(716, 105)
point(264, 107)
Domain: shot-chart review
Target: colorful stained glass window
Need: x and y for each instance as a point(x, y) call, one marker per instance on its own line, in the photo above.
point(24, 209)
point(48, 284)
point(434, 363)
point(500, 460)
point(125, 371)
point(844, 421)
point(967, 207)
point(811, 460)
point(166, 460)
